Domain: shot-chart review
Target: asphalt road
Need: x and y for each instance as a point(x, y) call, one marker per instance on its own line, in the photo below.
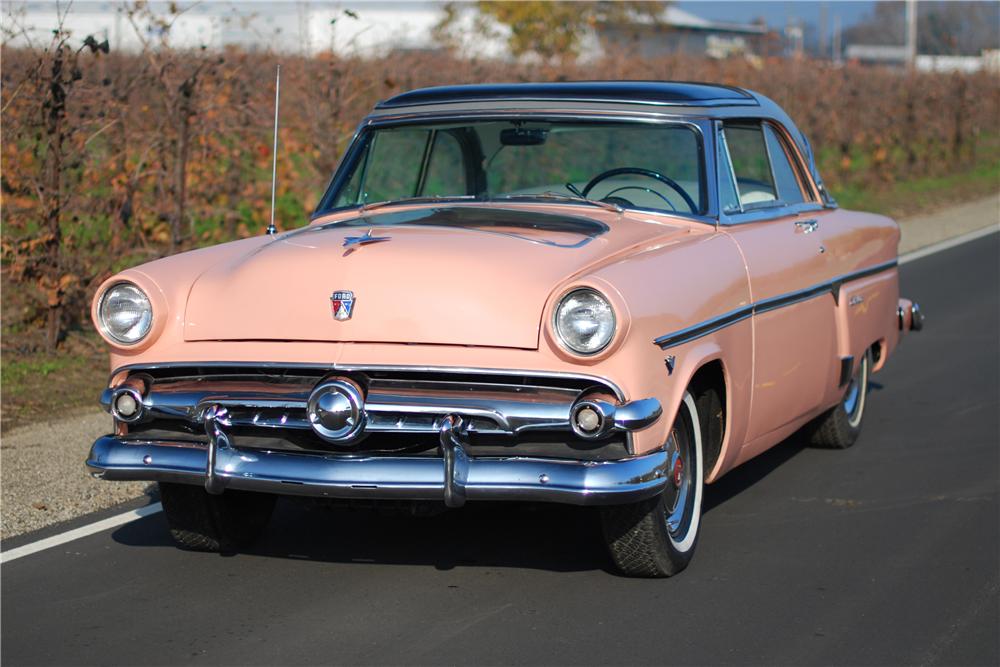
point(884, 553)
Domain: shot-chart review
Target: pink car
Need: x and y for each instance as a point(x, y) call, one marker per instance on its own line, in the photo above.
point(594, 293)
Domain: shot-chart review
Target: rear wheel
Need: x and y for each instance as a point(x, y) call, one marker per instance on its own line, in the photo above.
point(203, 522)
point(657, 537)
point(840, 427)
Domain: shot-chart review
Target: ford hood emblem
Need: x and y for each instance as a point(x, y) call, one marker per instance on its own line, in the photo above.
point(342, 305)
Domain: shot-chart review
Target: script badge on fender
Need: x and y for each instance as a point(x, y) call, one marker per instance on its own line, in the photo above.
point(342, 305)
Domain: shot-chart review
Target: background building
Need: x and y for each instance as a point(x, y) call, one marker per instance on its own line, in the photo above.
point(680, 31)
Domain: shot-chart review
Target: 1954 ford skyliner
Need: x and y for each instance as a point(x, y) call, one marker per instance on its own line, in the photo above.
point(601, 294)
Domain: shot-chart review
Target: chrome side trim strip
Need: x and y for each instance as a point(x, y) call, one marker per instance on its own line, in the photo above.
point(766, 305)
point(774, 303)
point(704, 328)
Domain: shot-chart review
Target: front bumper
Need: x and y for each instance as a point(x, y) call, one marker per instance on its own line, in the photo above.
point(452, 477)
point(450, 423)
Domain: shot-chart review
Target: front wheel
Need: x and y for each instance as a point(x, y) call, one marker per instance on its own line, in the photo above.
point(657, 537)
point(203, 522)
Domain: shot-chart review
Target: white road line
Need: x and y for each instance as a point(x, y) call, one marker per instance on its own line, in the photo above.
point(77, 533)
point(950, 243)
point(127, 517)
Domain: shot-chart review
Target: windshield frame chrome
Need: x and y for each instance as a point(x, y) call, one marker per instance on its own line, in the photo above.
point(701, 126)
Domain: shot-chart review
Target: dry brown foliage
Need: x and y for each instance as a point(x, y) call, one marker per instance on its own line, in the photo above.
point(169, 150)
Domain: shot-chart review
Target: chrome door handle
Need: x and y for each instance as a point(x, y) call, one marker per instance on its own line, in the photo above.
point(806, 226)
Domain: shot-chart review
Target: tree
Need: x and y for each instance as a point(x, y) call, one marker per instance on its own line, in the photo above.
point(57, 144)
point(179, 79)
point(551, 30)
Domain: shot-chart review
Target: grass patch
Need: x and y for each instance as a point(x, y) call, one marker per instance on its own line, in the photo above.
point(15, 373)
point(37, 386)
point(922, 195)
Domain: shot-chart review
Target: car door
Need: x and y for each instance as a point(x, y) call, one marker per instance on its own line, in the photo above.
point(772, 214)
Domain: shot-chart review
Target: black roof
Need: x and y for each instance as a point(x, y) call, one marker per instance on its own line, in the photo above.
point(672, 93)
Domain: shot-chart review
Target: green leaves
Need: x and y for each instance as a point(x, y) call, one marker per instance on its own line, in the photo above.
point(551, 29)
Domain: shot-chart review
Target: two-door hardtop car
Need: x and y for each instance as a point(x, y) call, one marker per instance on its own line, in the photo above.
point(600, 293)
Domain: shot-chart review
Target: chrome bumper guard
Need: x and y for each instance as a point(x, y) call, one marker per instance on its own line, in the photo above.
point(453, 478)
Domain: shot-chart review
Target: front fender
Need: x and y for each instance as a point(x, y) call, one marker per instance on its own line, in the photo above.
point(672, 288)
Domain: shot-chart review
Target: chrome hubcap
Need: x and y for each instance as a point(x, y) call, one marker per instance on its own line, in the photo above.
point(679, 493)
point(854, 398)
point(851, 398)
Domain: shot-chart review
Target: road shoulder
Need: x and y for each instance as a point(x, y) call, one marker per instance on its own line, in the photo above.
point(924, 230)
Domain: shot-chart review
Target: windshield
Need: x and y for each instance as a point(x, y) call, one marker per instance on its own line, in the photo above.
point(631, 165)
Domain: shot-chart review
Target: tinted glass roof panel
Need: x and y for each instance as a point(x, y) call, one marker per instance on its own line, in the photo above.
point(633, 92)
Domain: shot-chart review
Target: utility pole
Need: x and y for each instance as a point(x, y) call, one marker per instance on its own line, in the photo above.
point(911, 33)
point(793, 34)
point(823, 33)
point(837, 50)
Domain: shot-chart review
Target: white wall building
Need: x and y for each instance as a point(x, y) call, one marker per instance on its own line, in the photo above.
point(302, 26)
point(876, 54)
point(363, 27)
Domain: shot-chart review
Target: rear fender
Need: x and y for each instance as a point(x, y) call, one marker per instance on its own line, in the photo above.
point(867, 314)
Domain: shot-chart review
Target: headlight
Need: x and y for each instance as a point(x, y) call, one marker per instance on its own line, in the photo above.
point(585, 321)
point(125, 313)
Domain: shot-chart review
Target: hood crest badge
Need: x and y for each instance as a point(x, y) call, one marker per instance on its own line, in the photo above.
point(342, 305)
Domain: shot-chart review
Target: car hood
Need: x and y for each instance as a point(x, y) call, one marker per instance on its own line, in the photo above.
point(462, 275)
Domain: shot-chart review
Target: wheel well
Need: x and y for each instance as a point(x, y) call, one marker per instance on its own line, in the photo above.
point(708, 388)
point(878, 352)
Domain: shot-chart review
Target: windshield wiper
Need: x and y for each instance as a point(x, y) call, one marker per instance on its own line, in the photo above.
point(576, 199)
point(422, 199)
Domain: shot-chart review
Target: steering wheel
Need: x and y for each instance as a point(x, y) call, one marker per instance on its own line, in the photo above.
point(614, 198)
point(648, 173)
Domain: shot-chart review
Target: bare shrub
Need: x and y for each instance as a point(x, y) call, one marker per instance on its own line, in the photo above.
point(170, 149)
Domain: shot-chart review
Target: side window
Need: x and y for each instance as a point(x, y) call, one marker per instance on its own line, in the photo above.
point(789, 190)
point(748, 154)
point(398, 154)
point(445, 169)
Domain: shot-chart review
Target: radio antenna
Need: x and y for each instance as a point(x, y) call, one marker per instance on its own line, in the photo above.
point(271, 229)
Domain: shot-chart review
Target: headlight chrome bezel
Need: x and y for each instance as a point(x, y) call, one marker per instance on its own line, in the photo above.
point(102, 323)
point(562, 340)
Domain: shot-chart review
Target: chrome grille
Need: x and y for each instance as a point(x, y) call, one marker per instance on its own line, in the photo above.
point(407, 403)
